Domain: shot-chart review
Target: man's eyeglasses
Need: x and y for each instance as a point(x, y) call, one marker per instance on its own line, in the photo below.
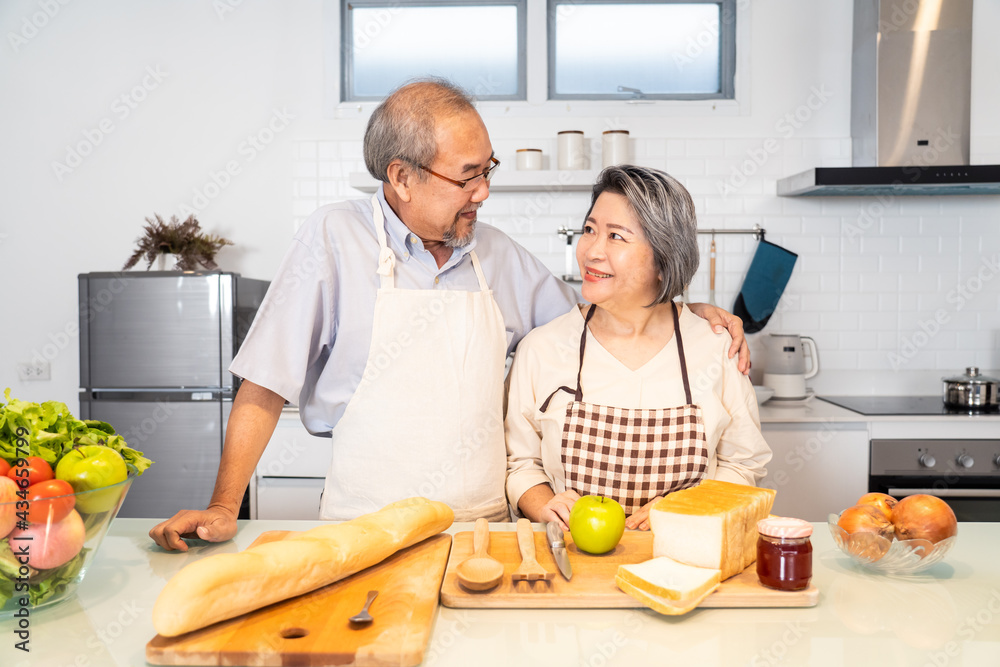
point(468, 183)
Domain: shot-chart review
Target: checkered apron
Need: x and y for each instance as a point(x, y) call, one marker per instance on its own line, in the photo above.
point(632, 455)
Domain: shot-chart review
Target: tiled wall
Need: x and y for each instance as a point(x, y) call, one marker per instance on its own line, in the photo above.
point(890, 284)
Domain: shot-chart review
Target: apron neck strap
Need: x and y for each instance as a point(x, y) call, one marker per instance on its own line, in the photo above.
point(479, 271)
point(386, 257)
point(680, 353)
point(578, 392)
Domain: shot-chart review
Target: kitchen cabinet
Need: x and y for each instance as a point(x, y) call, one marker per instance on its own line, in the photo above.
point(817, 468)
point(289, 477)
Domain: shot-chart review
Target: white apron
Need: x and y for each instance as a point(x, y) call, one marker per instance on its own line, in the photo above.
point(426, 419)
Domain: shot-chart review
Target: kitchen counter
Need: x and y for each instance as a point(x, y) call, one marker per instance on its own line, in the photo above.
point(947, 616)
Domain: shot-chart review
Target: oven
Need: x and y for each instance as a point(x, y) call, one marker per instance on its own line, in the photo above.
point(919, 445)
point(963, 473)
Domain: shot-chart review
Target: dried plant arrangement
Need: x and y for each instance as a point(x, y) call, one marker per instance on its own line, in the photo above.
point(184, 239)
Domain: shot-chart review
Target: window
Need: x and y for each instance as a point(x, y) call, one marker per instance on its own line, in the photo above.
point(478, 44)
point(621, 49)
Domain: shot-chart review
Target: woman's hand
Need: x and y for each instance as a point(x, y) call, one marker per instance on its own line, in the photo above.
point(720, 319)
point(558, 508)
point(640, 520)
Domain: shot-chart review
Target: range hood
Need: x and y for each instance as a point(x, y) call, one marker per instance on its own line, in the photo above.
point(910, 103)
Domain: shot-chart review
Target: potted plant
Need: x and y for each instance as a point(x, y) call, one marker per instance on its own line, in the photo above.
point(185, 240)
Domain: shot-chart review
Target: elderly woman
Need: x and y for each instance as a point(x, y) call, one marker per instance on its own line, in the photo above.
point(630, 396)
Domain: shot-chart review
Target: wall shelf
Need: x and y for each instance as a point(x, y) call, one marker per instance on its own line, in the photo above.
point(512, 181)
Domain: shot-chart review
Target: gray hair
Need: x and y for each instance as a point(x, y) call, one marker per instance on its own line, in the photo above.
point(402, 126)
point(665, 212)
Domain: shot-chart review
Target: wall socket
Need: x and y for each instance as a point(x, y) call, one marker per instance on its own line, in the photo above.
point(34, 370)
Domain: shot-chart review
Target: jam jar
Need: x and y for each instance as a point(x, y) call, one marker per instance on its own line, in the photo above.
point(784, 553)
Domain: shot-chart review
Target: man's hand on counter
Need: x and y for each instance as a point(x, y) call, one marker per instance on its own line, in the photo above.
point(215, 524)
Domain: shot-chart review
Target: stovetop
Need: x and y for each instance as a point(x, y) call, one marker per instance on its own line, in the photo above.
point(899, 405)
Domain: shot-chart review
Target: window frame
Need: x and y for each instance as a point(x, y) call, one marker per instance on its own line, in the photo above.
point(347, 44)
point(727, 54)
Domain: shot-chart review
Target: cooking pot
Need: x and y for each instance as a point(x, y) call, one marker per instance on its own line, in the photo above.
point(971, 391)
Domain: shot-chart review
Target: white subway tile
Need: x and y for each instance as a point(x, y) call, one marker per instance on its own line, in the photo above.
point(866, 303)
point(854, 340)
point(875, 360)
point(818, 303)
point(839, 360)
point(675, 148)
point(878, 282)
point(842, 321)
point(940, 226)
point(888, 302)
point(919, 283)
point(704, 147)
point(919, 245)
point(858, 264)
point(762, 205)
point(871, 244)
point(899, 263)
point(681, 168)
point(719, 205)
point(878, 321)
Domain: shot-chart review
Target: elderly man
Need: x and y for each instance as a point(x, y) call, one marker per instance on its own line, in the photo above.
point(388, 325)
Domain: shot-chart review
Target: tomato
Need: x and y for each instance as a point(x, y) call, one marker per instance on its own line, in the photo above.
point(50, 500)
point(4, 468)
point(37, 471)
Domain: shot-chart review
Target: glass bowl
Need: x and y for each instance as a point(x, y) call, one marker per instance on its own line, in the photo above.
point(55, 558)
point(889, 556)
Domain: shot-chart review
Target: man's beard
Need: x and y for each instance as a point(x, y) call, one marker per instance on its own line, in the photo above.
point(451, 238)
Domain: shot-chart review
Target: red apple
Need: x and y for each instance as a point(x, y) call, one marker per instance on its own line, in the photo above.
point(8, 500)
point(52, 544)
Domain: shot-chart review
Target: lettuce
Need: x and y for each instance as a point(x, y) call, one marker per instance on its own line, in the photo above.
point(43, 584)
point(51, 431)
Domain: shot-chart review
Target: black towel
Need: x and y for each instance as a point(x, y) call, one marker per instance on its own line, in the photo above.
point(762, 287)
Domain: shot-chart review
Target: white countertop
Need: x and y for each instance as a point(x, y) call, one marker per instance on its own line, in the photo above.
point(947, 616)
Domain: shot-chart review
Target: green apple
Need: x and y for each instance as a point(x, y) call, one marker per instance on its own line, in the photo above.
point(88, 467)
point(596, 524)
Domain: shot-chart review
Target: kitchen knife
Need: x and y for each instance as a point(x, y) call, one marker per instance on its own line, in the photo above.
point(554, 535)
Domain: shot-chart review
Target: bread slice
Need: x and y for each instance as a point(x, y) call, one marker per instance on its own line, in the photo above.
point(224, 586)
point(712, 525)
point(666, 586)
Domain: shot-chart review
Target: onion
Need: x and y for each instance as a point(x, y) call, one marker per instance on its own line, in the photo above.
point(865, 519)
point(924, 517)
point(882, 501)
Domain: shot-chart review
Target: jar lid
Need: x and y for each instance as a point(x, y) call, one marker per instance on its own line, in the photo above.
point(783, 526)
point(615, 132)
point(570, 132)
point(529, 150)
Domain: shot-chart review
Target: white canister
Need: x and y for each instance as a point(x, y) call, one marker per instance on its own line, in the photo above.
point(571, 150)
point(614, 148)
point(529, 159)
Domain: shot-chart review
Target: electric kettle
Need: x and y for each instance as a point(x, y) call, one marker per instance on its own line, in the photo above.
point(786, 370)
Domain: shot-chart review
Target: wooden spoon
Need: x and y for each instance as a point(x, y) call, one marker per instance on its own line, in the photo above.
point(480, 572)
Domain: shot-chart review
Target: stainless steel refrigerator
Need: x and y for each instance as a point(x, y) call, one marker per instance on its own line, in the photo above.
point(155, 349)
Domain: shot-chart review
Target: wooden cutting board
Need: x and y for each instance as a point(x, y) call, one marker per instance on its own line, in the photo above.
point(593, 582)
point(313, 629)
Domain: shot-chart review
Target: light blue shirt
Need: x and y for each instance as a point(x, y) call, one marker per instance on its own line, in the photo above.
point(310, 340)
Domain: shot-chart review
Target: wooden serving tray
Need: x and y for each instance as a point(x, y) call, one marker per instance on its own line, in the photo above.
point(313, 629)
point(593, 582)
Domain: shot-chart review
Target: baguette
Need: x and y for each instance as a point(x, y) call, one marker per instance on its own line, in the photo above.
point(224, 586)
